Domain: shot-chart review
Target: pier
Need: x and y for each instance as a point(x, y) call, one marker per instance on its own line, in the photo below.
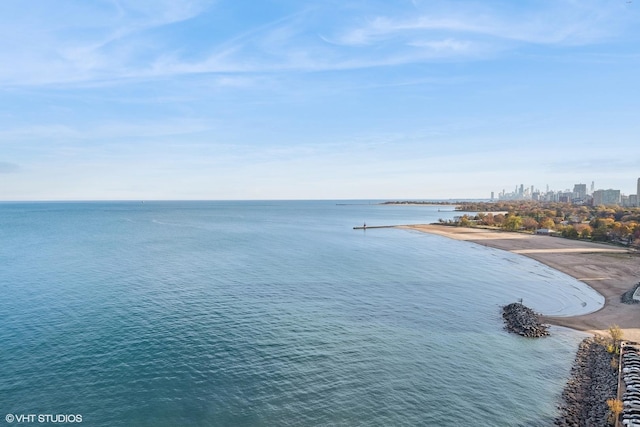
point(366, 227)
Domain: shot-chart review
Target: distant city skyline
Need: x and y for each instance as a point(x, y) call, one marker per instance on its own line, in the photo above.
point(581, 193)
point(224, 100)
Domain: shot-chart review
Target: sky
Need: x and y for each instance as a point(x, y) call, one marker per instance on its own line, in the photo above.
point(316, 99)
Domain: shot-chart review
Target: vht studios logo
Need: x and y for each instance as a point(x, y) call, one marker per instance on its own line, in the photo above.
point(43, 418)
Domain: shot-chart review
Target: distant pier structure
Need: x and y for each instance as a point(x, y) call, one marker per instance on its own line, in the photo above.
point(366, 227)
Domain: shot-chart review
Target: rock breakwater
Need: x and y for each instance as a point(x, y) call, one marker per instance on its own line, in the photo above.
point(523, 321)
point(627, 297)
point(593, 380)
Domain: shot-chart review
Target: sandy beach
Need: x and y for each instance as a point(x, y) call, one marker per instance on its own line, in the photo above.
point(610, 270)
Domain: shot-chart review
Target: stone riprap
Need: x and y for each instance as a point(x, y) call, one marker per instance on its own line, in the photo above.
point(593, 380)
point(523, 321)
point(627, 297)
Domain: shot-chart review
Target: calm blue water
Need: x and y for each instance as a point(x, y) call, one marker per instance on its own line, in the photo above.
point(268, 313)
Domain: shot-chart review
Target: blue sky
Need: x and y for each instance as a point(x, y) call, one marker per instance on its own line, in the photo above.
point(289, 99)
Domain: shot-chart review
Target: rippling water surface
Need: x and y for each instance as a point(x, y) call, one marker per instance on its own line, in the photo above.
point(269, 313)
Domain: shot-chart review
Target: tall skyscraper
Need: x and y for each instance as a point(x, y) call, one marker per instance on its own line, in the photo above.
point(606, 197)
point(580, 191)
point(638, 194)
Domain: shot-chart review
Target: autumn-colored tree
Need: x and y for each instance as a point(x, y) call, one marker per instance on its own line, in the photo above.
point(585, 233)
point(606, 222)
point(583, 213)
point(488, 219)
point(614, 363)
point(570, 232)
point(584, 230)
point(547, 223)
point(464, 221)
point(616, 334)
point(512, 223)
point(615, 407)
point(600, 234)
point(605, 212)
point(620, 230)
point(529, 223)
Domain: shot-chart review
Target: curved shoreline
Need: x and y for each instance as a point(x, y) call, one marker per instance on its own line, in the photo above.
point(609, 270)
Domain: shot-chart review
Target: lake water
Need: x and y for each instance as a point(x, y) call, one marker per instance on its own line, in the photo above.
point(270, 313)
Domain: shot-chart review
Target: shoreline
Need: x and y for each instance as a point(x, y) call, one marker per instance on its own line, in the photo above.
point(609, 270)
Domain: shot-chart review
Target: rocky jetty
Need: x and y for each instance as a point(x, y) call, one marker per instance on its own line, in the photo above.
point(523, 321)
point(592, 382)
point(627, 297)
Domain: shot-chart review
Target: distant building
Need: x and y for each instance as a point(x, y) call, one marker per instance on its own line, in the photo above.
point(580, 196)
point(551, 196)
point(606, 197)
point(565, 197)
point(545, 231)
point(580, 192)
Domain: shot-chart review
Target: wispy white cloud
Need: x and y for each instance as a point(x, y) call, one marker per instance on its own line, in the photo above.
point(557, 22)
point(119, 41)
point(70, 42)
point(179, 95)
point(472, 31)
point(449, 45)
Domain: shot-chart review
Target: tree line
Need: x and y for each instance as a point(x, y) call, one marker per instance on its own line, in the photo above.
point(597, 223)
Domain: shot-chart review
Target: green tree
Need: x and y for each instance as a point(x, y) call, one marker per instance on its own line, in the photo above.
point(513, 222)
